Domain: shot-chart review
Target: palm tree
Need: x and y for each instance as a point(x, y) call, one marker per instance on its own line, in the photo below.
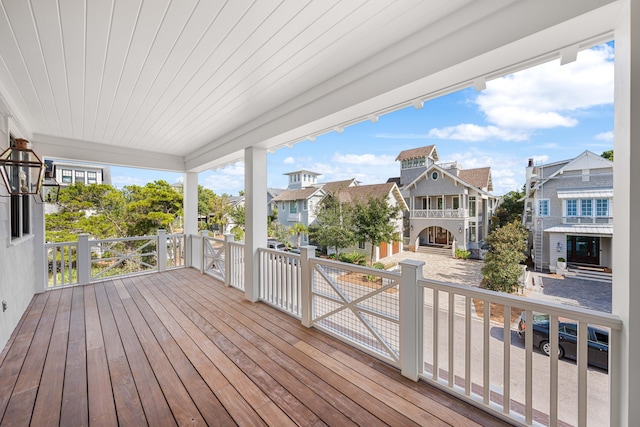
point(297, 229)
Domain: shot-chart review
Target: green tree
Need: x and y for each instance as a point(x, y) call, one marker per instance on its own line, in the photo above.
point(333, 226)
point(608, 155)
point(96, 209)
point(278, 231)
point(373, 222)
point(156, 205)
point(237, 216)
point(298, 229)
point(502, 269)
point(510, 209)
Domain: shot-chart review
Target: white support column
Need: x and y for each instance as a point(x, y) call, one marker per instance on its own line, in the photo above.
point(624, 372)
point(162, 250)
point(255, 207)
point(411, 319)
point(83, 260)
point(190, 208)
point(306, 252)
point(40, 255)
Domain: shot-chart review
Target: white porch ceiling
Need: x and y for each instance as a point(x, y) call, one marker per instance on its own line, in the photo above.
point(188, 84)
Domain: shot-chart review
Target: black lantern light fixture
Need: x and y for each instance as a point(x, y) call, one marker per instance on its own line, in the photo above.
point(21, 169)
point(50, 188)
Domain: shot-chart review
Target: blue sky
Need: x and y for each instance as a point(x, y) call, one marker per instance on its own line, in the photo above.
point(549, 113)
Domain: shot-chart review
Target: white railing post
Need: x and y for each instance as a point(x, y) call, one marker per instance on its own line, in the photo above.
point(306, 253)
point(228, 238)
point(203, 250)
point(83, 260)
point(411, 314)
point(161, 250)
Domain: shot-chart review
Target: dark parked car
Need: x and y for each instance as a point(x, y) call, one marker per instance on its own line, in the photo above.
point(598, 339)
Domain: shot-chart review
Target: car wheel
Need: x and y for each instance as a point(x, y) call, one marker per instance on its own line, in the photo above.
point(545, 347)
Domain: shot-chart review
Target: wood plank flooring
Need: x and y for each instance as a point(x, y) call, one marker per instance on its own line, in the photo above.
point(178, 348)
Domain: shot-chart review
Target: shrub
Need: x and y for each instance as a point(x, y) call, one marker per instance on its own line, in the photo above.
point(561, 259)
point(378, 265)
point(502, 269)
point(353, 258)
point(463, 254)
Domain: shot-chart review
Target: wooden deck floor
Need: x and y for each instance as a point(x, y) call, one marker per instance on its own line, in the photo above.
point(178, 348)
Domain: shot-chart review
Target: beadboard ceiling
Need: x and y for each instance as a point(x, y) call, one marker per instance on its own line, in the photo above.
point(184, 78)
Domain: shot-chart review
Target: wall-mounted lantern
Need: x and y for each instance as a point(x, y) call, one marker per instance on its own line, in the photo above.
point(21, 169)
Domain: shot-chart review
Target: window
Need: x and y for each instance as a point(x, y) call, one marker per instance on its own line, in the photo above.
point(572, 208)
point(472, 231)
point(586, 207)
point(67, 176)
point(20, 208)
point(456, 203)
point(305, 205)
point(434, 176)
point(79, 176)
point(440, 203)
point(543, 207)
point(602, 207)
point(472, 206)
point(92, 177)
point(360, 245)
point(293, 207)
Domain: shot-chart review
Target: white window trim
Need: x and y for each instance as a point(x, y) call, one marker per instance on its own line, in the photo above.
point(538, 210)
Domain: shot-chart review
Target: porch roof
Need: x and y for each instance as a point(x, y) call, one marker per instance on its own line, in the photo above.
point(189, 87)
point(582, 193)
point(605, 230)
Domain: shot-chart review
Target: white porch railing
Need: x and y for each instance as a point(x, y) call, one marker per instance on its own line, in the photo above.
point(280, 280)
point(85, 261)
point(439, 213)
point(213, 251)
point(444, 334)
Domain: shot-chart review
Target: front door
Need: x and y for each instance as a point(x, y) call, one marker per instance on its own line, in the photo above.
point(441, 236)
point(583, 249)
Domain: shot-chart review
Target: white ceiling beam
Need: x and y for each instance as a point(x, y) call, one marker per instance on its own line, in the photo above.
point(72, 149)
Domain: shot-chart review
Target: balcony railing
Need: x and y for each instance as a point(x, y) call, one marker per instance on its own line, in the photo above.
point(85, 261)
point(444, 333)
point(440, 213)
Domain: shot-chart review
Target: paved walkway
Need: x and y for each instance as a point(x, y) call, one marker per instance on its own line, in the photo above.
point(446, 269)
point(545, 287)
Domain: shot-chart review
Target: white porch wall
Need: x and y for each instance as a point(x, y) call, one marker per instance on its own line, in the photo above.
point(255, 182)
point(17, 261)
point(626, 270)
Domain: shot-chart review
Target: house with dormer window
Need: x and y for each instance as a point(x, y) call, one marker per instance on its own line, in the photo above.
point(449, 207)
point(569, 212)
point(298, 202)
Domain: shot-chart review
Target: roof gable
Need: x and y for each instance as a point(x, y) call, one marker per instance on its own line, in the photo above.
point(479, 177)
point(301, 194)
point(427, 151)
point(478, 174)
point(587, 160)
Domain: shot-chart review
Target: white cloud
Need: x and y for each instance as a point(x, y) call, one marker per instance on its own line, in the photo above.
point(471, 132)
point(229, 180)
point(605, 136)
point(121, 181)
point(549, 95)
point(289, 161)
point(400, 136)
point(364, 159)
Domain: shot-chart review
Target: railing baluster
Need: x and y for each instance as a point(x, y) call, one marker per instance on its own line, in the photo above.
point(467, 345)
point(436, 309)
point(506, 375)
point(486, 353)
point(451, 338)
point(528, 346)
point(583, 357)
point(553, 370)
